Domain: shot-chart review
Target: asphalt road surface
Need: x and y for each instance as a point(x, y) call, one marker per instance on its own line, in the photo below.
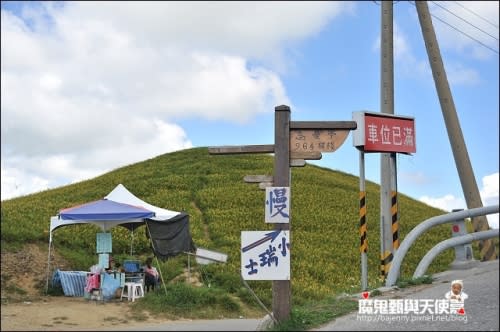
point(481, 308)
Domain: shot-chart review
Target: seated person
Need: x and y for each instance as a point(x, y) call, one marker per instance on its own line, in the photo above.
point(111, 264)
point(119, 267)
point(151, 275)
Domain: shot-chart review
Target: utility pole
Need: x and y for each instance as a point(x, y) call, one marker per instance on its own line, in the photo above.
point(389, 228)
point(462, 161)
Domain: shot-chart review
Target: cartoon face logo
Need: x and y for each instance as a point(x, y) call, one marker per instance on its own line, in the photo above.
point(457, 297)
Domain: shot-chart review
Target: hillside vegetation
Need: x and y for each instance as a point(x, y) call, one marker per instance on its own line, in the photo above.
point(324, 227)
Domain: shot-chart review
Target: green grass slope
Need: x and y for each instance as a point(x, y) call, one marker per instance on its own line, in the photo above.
point(324, 227)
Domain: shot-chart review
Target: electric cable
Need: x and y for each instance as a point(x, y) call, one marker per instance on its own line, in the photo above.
point(493, 24)
point(465, 34)
point(446, 9)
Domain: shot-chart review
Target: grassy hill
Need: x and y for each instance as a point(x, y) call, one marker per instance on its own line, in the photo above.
point(325, 209)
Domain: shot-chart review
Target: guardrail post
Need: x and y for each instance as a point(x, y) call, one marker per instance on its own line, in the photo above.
point(464, 257)
point(450, 243)
point(424, 226)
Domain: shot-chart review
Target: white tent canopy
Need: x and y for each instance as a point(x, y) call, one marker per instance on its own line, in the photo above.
point(121, 195)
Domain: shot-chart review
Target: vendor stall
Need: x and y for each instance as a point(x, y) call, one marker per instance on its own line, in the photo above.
point(121, 208)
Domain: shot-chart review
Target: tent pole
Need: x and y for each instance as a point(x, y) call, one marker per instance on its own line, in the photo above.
point(48, 265)
point(132, 242)
point(157, 263)
point(189, 269)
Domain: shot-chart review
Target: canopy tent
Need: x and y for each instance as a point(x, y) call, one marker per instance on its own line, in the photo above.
point(121, 195)
point(168, 230)
point(119, 207)
point(103, 213)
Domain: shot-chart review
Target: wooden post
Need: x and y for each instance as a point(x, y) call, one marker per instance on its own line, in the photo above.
point(335, 134)
point(282, 288)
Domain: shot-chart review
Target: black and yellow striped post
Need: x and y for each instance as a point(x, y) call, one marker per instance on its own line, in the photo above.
point(385, 263)
point(363, 243)
point(363, 246)
point(387, 256)
point(395, 221)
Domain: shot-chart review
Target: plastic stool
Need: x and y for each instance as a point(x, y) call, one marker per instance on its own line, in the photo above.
point(134, 291)
point(137, 290)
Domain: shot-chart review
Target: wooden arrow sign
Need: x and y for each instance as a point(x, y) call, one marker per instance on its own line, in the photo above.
point(297, 162)
point(242, 149)
point(263, 185)
point(258, 178)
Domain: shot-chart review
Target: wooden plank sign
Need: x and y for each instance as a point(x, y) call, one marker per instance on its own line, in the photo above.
point(258, 178)
point(317, 140)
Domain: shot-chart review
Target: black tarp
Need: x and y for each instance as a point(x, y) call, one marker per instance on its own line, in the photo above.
point(172, 237)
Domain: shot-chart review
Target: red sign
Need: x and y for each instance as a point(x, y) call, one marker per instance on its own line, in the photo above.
point(385, 133)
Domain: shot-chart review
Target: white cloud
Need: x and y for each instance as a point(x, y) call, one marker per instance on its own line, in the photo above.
point(489, 196)
point(91, 86)
point(447, 202)
point(16, 182)
point(22, 175)
point(489, 192)
point(458, 74)
point(251, 29)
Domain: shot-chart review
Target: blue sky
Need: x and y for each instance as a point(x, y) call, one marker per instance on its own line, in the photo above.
point(88, 87)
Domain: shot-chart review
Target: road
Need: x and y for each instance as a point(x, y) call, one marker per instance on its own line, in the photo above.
point(481, 307)
point(481, 283)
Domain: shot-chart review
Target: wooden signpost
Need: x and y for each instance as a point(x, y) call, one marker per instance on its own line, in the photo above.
point(294, 142)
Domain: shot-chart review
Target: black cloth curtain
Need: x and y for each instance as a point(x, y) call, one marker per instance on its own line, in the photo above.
point(170, 237)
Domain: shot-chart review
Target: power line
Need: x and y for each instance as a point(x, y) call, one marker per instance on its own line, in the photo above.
point(434, 2)
point(451, 26)
point(394, 2)
point(493, 24)
point(483, 44)
point(465, 34)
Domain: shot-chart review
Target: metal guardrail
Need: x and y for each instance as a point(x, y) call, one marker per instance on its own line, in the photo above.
point(450, 243)
point(424, 226)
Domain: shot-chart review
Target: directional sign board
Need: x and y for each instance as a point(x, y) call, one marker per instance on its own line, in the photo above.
point(265, 255)
point(326, 140)
point(277, 205)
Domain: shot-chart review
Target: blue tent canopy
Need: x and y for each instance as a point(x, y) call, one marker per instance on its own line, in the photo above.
point(105, 210)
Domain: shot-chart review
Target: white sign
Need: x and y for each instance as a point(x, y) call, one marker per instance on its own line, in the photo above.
point(277, 205)
point(205, 256)
point(265, 255)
